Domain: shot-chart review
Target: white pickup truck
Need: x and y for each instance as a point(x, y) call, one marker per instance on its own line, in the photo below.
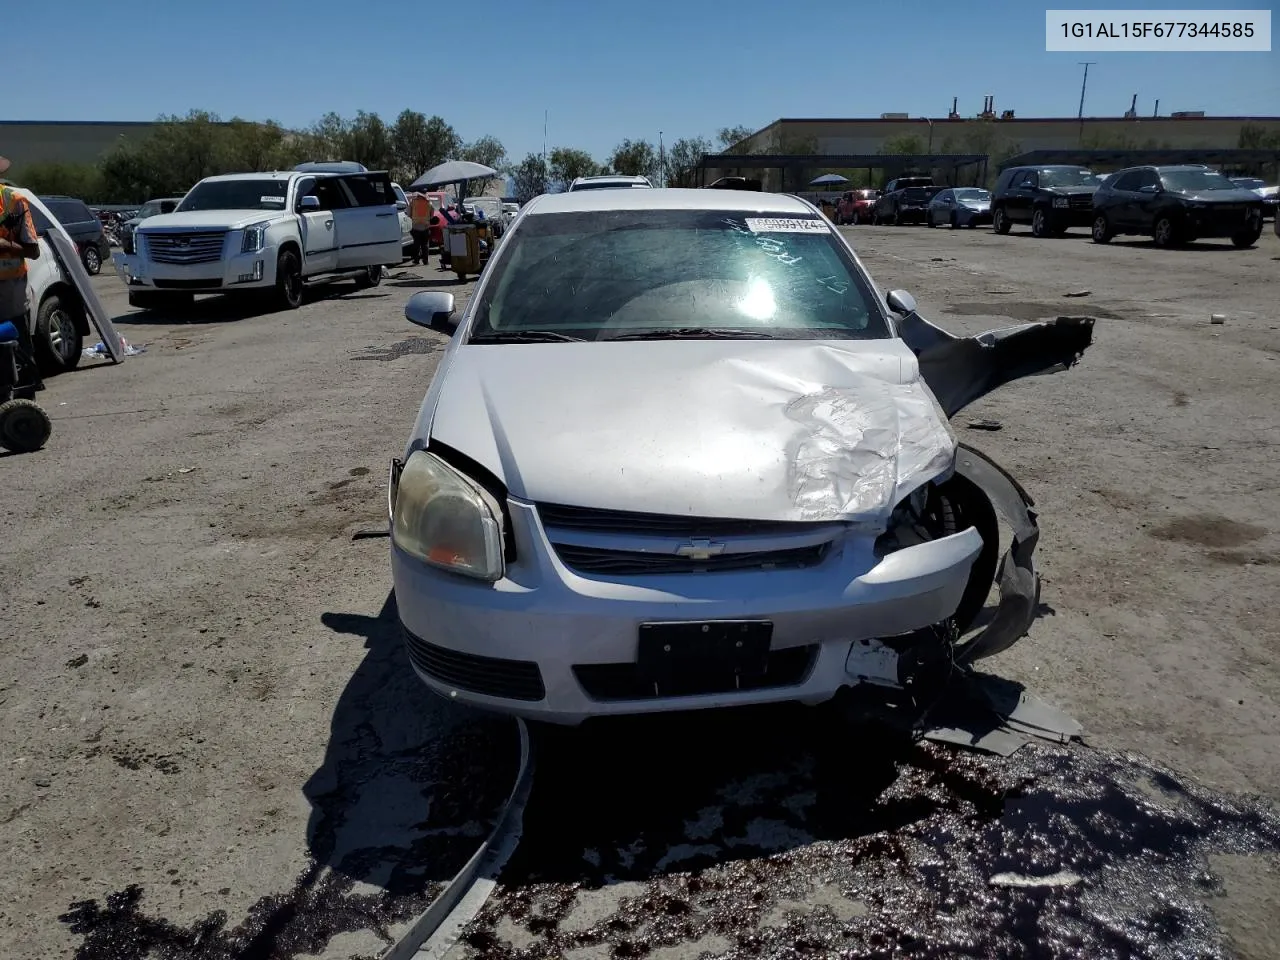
point(265, 233)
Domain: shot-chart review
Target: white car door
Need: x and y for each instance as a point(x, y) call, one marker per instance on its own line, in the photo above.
point(369, 229)
point(318, 226)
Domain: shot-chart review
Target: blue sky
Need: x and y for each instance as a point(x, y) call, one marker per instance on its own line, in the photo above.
point(603, 71)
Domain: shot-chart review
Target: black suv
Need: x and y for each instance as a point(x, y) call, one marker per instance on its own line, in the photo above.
point(151, 208)
point(85, 229)
point(1051, 199)
point(1176, 205)
point(903, 204)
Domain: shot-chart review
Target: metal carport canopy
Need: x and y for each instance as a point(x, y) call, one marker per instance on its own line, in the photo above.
point(876, 161)
point(1222, 157)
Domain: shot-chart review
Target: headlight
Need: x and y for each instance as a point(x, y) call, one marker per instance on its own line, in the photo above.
point(255, 237)
point(446, 520)
point(1061, 202)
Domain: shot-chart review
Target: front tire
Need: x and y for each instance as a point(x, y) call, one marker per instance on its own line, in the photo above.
point(1165, 234)
point(288, 292)
point(58, 340)
point(92, 261)
point(1040, 225)
point(1000, 221)
point(1101, 230)
point(1247, 238)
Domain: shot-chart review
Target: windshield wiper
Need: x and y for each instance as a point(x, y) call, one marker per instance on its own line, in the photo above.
point(695, 333)
point(524, 336)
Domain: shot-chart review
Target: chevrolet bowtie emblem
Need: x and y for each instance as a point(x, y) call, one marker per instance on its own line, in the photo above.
point(700, 550)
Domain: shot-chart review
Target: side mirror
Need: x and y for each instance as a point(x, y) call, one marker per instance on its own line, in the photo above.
point(309, 202)
point(901, 302)
point(430, 309)
point(1149, 188)
point(401, 205)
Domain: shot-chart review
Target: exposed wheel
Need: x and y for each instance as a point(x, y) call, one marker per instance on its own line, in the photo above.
point(1040, 226)
point(955, 506)
point(1101, 230)
point(288, 292)
point(24, 426)
point(1000, 221)
point(58, 340)
point(369, 277)
point(1164, 233)
point(92, 260)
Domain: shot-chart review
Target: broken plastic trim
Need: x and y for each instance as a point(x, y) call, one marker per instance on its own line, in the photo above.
point(959, 370)
point(1017, 578)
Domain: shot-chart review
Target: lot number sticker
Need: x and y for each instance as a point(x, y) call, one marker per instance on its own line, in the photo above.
point(771, 225)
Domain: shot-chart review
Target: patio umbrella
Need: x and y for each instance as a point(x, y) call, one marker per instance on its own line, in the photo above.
point(453, 171)
point(828, 179)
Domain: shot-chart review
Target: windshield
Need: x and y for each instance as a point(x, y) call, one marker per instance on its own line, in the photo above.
point(236, 195)
point(148, 209)
point(1249, 183)
point(1193, 181)
point(605, 274)
point(1070, 177)
point(917, 193)
point(399, 193)
point(609, 185)
point(973, 194)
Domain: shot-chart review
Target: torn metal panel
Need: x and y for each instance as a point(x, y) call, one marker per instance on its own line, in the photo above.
point(959, 370)
point(994, 715)
point(64, 249)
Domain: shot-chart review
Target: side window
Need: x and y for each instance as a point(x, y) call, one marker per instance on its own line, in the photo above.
point(1148, 178)
point(370, 189)
point(945, 196)
point(331, 194)
point(306, 188)
point(1127, 181)
point(1029, 180)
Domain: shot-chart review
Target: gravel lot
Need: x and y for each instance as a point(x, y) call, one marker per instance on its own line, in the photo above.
point(217, 749)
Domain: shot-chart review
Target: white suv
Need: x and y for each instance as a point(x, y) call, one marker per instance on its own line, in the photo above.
point(268, 233)
point(610, 182)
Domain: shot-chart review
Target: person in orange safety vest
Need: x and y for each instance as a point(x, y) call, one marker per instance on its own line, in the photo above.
point(18, 244)
point(420, 213)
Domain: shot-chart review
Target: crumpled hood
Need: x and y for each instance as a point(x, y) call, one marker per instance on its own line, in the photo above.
point(210, 219)
point(749, 429)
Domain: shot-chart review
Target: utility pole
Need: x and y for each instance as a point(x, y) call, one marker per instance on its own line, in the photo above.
point(545, 114)
point(929, 149)
point(1084, 83)
point(662, 162)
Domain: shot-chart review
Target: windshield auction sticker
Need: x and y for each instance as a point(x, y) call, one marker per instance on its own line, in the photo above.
point(1187, 31)
point(780, 225)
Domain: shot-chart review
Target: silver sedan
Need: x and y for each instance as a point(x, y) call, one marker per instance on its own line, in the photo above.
point(960, 207)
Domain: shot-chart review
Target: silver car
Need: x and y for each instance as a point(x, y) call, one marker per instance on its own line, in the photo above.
point(960, 207)
point(682, 453)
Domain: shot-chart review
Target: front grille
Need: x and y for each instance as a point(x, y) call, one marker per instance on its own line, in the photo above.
point(187, 284)
point(204, 246)
point(490, 676)
point(1082, 202)
point(623, 681)
point(629, 562)
point(660, 524)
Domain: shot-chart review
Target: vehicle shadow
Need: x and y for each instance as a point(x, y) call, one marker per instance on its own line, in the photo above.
point(410, 784)
point(227, 309)
point(1197, 246)
point(443, 281)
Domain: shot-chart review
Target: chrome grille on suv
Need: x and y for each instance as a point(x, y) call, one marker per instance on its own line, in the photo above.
point(621, 543)
point(1083, 201)
point(193, 246)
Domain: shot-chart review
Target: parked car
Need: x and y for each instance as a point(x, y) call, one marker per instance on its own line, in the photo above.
point(904, 205)
point(1175, 205)
point(855, 206)
point(1270, 193)
point(609, 182)
point(151, 208)
point(901, 183)
point(406, 222)
point(960, 207)
point(56, 316)
point(811, 528)
point(1051, 199)
point(84, 227)
point(266, 234)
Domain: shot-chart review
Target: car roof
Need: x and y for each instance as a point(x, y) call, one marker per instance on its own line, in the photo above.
point(584, 201)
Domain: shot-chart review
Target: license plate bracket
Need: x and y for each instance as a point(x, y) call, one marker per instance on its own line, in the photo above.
point(714, 656)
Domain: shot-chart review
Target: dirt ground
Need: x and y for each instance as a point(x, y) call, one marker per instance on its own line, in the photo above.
point(215, 747)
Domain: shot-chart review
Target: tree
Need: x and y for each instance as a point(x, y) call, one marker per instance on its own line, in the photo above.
point(634, 158)
point(682, 162)
point(250, 146)
point(1254, 136)
point(568, 164)
point(368, 141)
point(489, 151)
point(419, 144)
point(81, 180)
point(732, 136)
point(529, 178)
point(907, 143)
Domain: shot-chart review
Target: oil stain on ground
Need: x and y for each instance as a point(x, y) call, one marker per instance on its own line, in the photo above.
point(758, 837)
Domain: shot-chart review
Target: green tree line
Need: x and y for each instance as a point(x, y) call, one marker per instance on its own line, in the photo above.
point(180, 151)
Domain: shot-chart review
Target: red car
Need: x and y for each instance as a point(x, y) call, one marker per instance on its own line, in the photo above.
point(855, 206)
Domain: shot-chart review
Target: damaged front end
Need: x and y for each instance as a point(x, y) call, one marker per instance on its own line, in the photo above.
point(958, 371)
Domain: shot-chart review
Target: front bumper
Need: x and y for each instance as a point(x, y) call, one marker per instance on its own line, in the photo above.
point(1067, 217)
point(241, 271)
point(549, 643)
point(974, 217)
